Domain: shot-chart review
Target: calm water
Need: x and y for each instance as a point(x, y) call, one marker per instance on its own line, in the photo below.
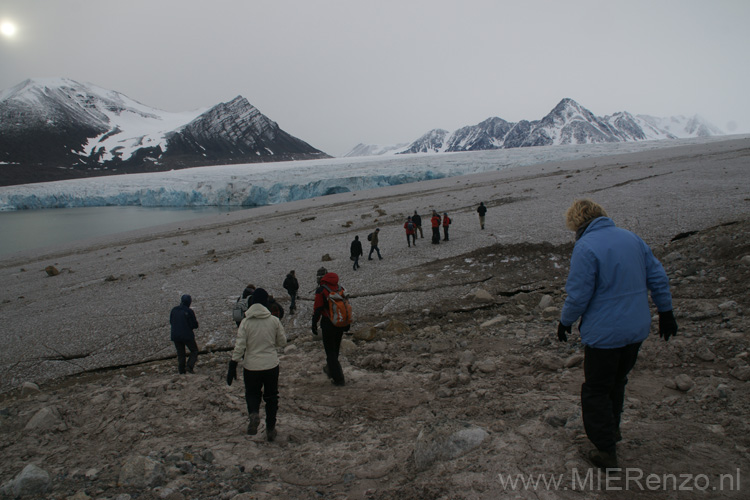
point(29, 229)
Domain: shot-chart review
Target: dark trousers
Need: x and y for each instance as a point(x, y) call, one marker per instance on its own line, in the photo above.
point(410, 238)
point(355, 258)
point(374, 248)
point(263, 384)
point(445, 233)
point(180, 346)
point(332, 345)
point(419, 228)
point(293, 305)
point(603, 392)
point(435, 235)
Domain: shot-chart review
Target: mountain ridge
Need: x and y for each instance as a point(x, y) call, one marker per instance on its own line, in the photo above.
point(58, 128)
point(567, 123)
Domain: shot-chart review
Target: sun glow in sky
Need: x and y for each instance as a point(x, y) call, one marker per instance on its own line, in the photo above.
point(7, 28)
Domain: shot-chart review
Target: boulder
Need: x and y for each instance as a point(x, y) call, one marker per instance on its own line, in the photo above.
point(32, 481)
point(347, 346)
point(741, 372)
point(684, 382)
point(51, 271)
point(46, 419)
point(140, 472)
point(497, 320)
point(367, 334)
point(545, 302)
point(444, 441)
point(483, 296)
point(29, 388)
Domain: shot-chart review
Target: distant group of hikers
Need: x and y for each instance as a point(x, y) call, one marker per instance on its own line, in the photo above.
point(612, 272)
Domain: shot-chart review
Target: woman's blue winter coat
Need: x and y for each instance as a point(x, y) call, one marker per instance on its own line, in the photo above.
point(611, 272)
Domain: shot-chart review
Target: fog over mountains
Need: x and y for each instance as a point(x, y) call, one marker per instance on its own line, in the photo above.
point(57, 128)
point(567, 123)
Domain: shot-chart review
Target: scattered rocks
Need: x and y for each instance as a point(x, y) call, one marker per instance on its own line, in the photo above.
point(52, 271)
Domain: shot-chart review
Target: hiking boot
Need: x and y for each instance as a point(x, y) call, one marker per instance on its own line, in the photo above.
point(338, 382)
point(252, 426)
point(271, 434)
point(603, 459)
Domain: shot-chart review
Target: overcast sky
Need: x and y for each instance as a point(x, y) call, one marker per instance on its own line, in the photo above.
point(339, 72)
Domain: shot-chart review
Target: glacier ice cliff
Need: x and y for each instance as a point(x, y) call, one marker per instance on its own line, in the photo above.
point(251, 185)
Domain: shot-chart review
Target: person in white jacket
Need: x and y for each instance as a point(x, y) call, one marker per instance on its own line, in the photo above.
point(258, 337)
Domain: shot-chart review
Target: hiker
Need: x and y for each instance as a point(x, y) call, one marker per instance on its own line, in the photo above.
point(275, 308)
point(446, 222)
point(356, 252)
point(373, 237)
point(243, 302)
point(321, 272)
point(257, 339)
point(435, 228)
point(611, 273)
point(331, 334)
point(481, 210)
point(291, 285)
point(417, 220)
point(183, 321)
point(411, 230)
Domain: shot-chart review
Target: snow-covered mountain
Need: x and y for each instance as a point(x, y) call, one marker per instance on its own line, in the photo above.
point(55, 128)
point(567, 123)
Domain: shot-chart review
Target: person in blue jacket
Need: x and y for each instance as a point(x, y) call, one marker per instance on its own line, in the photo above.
point(612, 271)
point(183, 322)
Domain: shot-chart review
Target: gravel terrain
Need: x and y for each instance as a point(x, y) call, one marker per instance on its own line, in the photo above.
point(454, 377)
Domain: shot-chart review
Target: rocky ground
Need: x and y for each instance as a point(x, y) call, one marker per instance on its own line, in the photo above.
point(456, 384)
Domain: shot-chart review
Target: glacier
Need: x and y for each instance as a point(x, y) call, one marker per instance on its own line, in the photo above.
point(252, 185)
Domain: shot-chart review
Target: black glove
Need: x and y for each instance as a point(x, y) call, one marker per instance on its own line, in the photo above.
point(315, 329)
point(232, 372)
point(561, 329)
point(347, 328)
point(667, 325)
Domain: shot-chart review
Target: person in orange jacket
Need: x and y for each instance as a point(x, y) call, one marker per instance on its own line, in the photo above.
point(446, 222)
point(435, 228)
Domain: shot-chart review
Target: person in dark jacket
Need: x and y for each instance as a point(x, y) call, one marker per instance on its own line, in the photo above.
point(291, 285)
point(374, 244)
point(482, 211)
point(435, 228)
point(331, 334)
point(183, 321)
point(446, 222)
point(411, 231)
point(356, 252)
point(612, 271)
point(417, 220)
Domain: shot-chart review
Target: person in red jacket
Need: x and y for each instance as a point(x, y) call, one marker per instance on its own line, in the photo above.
point(411, 231)
point(331, 334)
point(435, 228)
point(446, 222)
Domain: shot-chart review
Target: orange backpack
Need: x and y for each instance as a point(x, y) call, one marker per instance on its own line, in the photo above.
point(339, 308)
